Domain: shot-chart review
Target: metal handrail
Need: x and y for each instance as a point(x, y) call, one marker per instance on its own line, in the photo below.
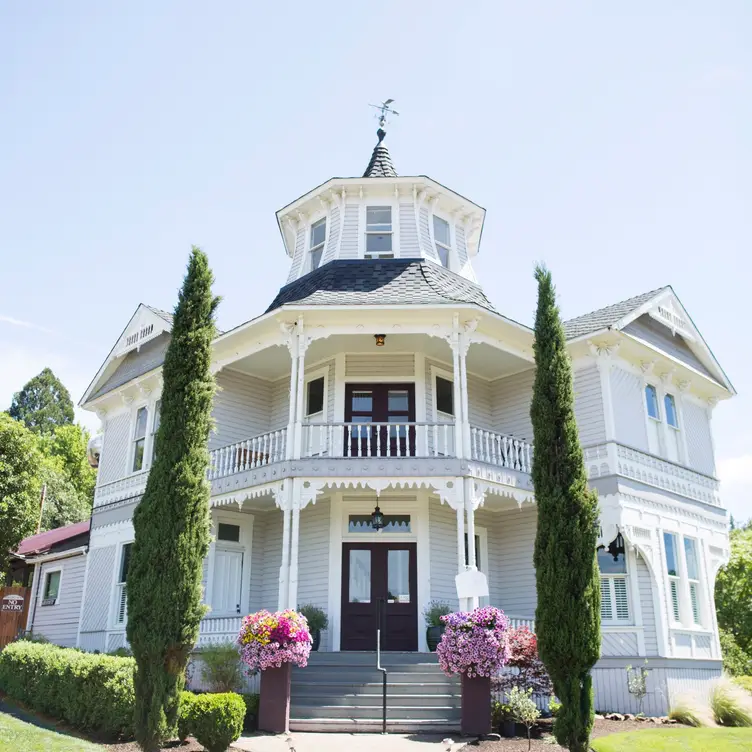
point(379, 616)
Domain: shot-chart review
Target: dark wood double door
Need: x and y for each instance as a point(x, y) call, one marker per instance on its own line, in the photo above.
point(379, 590)
point(369, 404)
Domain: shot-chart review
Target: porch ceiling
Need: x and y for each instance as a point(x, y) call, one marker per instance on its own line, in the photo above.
point(482, 359)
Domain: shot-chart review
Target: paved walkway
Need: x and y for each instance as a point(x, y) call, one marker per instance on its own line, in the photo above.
point(308, 742)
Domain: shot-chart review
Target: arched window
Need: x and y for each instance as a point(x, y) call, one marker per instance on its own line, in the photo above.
point(612, 562)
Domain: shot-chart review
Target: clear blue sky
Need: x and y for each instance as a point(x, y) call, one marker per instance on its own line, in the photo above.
point(614, 142)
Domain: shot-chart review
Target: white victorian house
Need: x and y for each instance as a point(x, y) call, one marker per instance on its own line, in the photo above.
point(381, 374)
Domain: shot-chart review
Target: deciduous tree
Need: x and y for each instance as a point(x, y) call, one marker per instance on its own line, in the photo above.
point(172, 520)
point(733, 590)
point(43, 403)
point(20, 485)
point(567, 618)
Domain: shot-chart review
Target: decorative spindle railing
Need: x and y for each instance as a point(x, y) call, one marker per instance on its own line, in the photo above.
point(501, 450)
point(247, 455)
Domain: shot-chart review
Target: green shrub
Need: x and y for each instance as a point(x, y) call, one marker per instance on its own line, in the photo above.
point(554, 706)
point(89, 692)
point(316, 618)
point(220, 667)
point(745, 682)
point(184, 715)
point(730, 704)
point(735, 660)
point(251, 711)
point(433, 612)
point(690, 712)
point(216, 720)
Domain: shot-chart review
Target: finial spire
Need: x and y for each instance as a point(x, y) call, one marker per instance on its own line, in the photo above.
point(380, 165)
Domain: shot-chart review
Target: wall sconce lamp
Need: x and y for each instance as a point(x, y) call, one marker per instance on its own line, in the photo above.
point(380, 339)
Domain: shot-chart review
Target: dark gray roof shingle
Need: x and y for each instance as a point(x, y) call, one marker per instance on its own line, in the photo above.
point(159, 312)
point(595, 321)
point(381, 282)
point(380, 165)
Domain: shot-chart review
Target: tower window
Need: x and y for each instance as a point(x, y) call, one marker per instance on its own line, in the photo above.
point(139, 439)
point(379, 232)
point(318, 237)
point(442, 238)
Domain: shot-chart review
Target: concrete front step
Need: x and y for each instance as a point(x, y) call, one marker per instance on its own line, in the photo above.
point(373, 712)
point(311, 698)
point(329, 688)
point(349, 658)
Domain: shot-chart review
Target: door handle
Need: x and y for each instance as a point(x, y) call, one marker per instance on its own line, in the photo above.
point(237, 608)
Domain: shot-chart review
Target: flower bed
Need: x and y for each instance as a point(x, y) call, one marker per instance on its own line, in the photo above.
point(474, 643)
point(269, 640)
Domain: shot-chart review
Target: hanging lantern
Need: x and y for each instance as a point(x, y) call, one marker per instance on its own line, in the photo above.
point(616, 547)
point(380, 339)
point(377, 519)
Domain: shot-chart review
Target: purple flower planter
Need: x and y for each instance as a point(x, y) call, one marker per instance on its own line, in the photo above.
point(476, 705)
point(274, 702)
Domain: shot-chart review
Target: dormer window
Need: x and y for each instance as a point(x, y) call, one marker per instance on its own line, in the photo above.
point(442, 239)
point(379, 232)
point(318, 238)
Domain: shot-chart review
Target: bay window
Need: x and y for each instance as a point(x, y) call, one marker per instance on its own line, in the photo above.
point(693, 577)
point(612, 562)
point(672, 570)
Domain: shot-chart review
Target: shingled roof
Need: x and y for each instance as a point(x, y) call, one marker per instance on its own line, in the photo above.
point(380, 165)
point(603, 318)
point(381, 282)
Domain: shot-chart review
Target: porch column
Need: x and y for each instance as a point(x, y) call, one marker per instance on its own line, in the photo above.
point(301, 351)
point(292, 597)
point(284, 570)
point(464, 346)
point(470, 513)
point(457, 390)
point(292, 346)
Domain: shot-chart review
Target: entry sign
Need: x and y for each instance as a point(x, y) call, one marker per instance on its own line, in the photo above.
point(471, 584)
point(14, 603)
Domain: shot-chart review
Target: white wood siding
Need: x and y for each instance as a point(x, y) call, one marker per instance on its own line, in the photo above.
point(313, 559)
point(409, 244)
point(511, 404)
point(258, 554)
point(116, 442)
point(442, 531)
point(699, 441)
point(491, 521)
point(241, 408)
point(272, 561)
point(296, 268)
point(332, 236)
point(619, 643)
point(59, 623)
point(360, 365)
point(480, 402)
point(588, 406)
point(349, 242)
point(627, 393)
point(280, 404)
point(425, 236)
point(647, 604)
point(98, 589)
point(459, 234)
point(516, 535)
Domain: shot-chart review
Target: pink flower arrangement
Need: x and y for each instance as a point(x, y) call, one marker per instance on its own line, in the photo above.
point(475, 643)
point(267, 640)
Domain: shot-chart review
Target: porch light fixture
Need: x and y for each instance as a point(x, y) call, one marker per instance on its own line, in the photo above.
point(377, 519)
point(380, 339)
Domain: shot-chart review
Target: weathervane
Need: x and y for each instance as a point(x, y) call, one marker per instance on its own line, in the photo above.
point(384, 110)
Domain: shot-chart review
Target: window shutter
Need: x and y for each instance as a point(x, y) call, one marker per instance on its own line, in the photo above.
point(606, 608)
point(695, 602)
point(675, 599)
point(122, 605)
point(620, 596)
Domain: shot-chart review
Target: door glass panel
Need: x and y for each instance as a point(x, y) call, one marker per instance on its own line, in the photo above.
point(360, 577)
point(400, 431)
point(398, 401)
point(362, 402)
point(398, 577)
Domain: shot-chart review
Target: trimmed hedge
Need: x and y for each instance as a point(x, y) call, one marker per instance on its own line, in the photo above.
point(216, 720)
point(88, 691)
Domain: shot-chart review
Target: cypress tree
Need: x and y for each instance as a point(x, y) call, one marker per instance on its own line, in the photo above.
point(567, 618)
point(172, 520)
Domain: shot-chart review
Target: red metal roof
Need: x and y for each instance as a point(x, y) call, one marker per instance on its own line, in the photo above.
point(43, 542)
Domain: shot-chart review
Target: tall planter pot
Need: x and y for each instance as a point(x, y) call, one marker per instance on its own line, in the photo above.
point(476, 705)
point(274, 702)
point(433, 637)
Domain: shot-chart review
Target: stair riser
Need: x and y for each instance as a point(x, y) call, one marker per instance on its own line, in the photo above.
point(369, 659)
point(364, 676)
point(328, 689)
point(393, 701)
point(374, 713)
point(374, 727)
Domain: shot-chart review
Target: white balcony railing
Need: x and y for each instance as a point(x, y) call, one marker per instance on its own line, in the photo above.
point(123, 488)
point(218, 629)
point(342, 440)
point(617, 459)
point(501, 450)
point(247, 455)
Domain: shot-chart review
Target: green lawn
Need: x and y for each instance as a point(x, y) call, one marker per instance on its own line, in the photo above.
point(17, 736)
point(674, 739)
